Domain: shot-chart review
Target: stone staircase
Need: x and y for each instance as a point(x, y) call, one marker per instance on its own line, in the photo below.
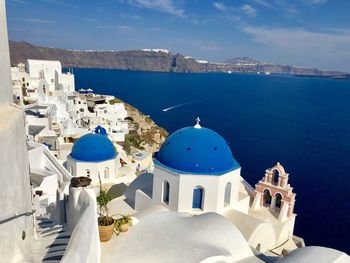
point(51, 241)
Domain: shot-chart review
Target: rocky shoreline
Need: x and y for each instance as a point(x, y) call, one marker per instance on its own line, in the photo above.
point(144, 133)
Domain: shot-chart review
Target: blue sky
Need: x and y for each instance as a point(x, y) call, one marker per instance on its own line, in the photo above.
point(311, 33)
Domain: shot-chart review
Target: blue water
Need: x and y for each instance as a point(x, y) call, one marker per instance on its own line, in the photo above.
point(304, 123)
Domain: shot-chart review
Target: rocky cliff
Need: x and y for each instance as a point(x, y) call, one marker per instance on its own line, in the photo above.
point(152, 60)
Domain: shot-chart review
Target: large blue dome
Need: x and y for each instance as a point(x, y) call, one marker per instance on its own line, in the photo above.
point(93, 148)
point(196, 151)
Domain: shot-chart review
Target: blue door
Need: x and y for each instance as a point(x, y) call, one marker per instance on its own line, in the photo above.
point(197, 198)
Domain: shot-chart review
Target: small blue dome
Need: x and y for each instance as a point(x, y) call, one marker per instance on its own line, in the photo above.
point(93, 148)
point(99, 129)
point(196, 151)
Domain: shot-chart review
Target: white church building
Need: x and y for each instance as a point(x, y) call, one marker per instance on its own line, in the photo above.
point(94, 156)
point(196, 173)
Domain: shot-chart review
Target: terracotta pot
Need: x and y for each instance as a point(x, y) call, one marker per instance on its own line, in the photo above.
point(124, 227)
point(106, 232)
point(81, 181)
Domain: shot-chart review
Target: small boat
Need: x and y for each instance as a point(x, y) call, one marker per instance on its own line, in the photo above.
point(229, 71)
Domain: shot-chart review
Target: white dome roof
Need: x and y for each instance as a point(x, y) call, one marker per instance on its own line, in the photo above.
point(179, 237)
point(315, 254)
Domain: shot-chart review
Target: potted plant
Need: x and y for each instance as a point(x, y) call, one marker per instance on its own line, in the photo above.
point(105, 222)
point(122, 223)
point(81, 181)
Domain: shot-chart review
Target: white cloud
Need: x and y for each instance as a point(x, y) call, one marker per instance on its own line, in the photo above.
point(124, 28)
point(19, 1)
point(59, 2)
point(249, 10)
point(316, 2)
point(263, 3)
point(296, 39)
point(34, 20)
point(166, 6)
point(92, 20)
point(327, 49)
point(235, 11)
point(221, 7)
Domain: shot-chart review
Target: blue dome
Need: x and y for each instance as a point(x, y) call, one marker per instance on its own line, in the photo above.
point(93, 148)
point(196, 151)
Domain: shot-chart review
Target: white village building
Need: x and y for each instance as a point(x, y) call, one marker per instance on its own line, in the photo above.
point(160, 232)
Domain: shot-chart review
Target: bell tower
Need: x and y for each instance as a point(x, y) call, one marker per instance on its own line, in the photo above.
point(274, 193)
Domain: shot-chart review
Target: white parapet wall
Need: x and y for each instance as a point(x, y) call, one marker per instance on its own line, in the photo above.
point(84, 244)
point(5, 69)
point(16, 219)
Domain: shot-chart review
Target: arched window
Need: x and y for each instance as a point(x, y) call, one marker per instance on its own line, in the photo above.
point(106, 173)
point(278, 197)
point(87, 173)
point(275, 175)
point(198, 194)
point(166, 192)
point(227, 199)
point(267, 197)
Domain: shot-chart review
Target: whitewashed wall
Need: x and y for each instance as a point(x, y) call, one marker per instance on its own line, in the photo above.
point(15, 193)
point(84, 244)
point(182, 185)
point(5, 70)
point(77, 168)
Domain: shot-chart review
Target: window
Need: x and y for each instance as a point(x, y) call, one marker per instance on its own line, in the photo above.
point(278, 197)
point(227, 199)
point(197, 201)
point(166, 192)
point(106, 173)
point(267, 197)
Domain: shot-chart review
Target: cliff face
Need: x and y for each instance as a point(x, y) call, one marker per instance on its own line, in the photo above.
point(148, 60)
point(127, 60)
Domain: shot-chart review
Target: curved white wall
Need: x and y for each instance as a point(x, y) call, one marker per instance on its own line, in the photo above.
point(84, 244)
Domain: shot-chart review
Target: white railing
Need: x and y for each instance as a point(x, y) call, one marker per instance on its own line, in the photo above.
point(66, 176)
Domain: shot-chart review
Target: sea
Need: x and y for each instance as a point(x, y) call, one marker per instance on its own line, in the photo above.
point(301, 122)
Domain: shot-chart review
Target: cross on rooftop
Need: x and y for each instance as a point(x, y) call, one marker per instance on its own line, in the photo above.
point(197, 124)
